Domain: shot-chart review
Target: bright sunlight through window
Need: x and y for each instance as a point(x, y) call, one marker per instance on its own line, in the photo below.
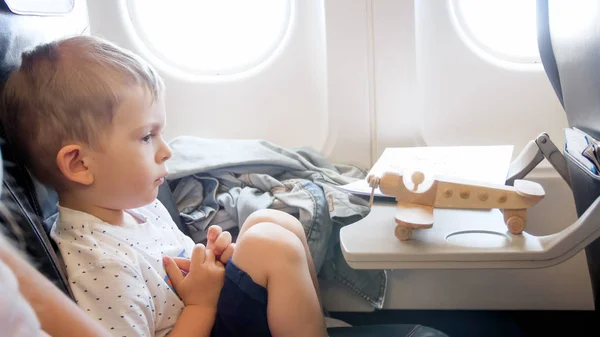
point(211, 37)
point(505, 29)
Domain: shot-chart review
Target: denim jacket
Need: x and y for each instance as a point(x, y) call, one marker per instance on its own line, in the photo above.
point(223, 181)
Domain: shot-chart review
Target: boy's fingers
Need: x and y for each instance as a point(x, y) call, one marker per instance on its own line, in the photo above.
point(213, 233)
point(173, 271)
point(227, 254)
point(210, 256)
point(198, 255)
point(221, 243)
point(183, 263)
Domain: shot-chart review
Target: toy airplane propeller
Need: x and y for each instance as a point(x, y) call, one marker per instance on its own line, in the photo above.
point(418, 197)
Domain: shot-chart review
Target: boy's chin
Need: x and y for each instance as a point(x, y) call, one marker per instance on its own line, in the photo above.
point(150, 198)
point(140, 201)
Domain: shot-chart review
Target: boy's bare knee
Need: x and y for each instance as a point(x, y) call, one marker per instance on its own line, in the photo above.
point(267, 248)
point(276, 217)
point(272, 240)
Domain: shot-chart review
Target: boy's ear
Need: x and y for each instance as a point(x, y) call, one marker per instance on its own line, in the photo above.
point(73, 164)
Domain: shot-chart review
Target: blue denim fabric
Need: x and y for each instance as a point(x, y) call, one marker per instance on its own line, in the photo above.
point(255, 175)
point(195, 197)
point(322, 234)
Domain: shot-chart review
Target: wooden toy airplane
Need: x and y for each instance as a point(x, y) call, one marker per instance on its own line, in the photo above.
point(418, 197)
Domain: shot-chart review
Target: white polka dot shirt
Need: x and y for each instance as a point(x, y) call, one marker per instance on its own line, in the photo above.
point(116, 272)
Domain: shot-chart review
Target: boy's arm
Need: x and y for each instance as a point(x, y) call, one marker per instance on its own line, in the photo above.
point(194, 321)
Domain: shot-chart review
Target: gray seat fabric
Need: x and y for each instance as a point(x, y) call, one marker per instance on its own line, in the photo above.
point(569, 45)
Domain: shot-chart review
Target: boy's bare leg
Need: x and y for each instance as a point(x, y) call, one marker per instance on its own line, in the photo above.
point(290, 223)
point(276, 259)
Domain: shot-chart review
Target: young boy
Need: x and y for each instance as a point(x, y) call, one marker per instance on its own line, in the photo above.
point(88, 118)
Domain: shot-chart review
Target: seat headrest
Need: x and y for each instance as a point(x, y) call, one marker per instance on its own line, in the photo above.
point(20, 32)
point(569, 44)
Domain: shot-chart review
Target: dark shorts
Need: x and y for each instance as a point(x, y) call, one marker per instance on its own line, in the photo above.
point(242, 307)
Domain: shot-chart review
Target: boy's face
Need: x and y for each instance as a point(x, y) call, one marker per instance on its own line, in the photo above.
point(131, 163)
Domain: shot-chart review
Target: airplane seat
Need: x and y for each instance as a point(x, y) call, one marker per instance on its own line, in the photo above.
point(20, 193)
point(569, 45)
point(32, 205)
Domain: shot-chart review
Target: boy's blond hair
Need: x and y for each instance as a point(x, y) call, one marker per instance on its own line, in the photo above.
point(67, 91)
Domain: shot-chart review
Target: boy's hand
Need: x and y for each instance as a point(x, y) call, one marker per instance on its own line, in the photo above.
point(204, 280)
point(220, 243)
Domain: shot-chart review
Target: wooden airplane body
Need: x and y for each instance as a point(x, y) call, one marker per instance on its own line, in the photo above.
point(417, 197)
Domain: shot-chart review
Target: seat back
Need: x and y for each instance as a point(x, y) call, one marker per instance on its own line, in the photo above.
point(569, 45)
point(20, 193)
point(32, 205)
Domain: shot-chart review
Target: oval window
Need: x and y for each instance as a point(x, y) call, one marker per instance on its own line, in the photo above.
point(505, 29)
point(211, 37)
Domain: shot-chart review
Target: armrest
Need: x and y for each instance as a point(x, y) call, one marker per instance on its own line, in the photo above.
point(534, 152)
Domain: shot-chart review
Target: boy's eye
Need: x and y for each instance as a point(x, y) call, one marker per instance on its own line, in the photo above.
point(146, 138)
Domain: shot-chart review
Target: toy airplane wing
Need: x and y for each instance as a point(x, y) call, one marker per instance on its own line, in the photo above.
point(529, 189)
point(414, 216)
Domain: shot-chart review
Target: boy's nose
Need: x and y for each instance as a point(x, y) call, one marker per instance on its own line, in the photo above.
point(165, 152)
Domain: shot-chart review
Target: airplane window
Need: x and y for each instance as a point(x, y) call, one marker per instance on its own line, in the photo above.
point(504, 29)
point(211, 37)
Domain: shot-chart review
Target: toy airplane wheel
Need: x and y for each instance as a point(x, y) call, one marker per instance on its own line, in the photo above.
point(515, 224)
point(402, 233)
point(515, 220)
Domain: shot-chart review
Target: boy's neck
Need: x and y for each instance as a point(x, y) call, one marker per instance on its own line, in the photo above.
point(116, 217)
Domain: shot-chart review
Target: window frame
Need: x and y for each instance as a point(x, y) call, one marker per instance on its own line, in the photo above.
point(269, 54)
point(459, 22)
